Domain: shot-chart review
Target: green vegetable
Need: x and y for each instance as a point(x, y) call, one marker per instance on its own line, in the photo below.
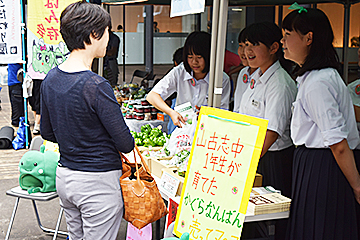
point(134, 134)
point(167, 152)
point(156, 132)
point(138, 141)
point(146, 128)
point(148, 142)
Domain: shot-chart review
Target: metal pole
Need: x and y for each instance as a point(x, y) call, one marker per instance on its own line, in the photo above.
point(27, 127)
point(214, 35)
point(198, 22)
point(149, 40)
point(123, 55)
point(346, 41)
point(220, 52)
point(280, 15)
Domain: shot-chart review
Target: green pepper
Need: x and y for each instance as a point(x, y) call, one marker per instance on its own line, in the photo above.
point(156, 132)
point(148, 142)
point(146, 128)
point(134, 134)
point(138, 141)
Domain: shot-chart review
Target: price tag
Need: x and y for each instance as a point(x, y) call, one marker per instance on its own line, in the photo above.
point(168, 184)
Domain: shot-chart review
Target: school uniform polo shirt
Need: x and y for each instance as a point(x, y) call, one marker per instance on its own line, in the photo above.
point(354, 89)
point(323, 111)
point(179, 80)
point(242, 84)
point(270, 96)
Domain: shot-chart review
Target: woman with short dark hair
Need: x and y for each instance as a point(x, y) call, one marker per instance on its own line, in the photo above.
point(80, 112)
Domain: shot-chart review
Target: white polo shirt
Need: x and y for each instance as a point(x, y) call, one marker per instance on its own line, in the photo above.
point(242, 84)
point(354, 89)
point(323, 111)
point(271, 98)
point(179, 80)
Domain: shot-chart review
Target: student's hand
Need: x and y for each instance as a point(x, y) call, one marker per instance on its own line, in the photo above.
point(197, 108)
point(176, 118)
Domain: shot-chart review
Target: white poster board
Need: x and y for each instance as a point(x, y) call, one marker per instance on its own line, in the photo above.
point(10, 32)
point(185, 7)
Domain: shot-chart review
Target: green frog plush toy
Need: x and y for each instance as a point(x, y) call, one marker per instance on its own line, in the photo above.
point(38, 171)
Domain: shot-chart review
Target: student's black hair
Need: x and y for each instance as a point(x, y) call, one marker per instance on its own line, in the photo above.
point(178, 55)
point(81, 19)
point(199, 44)
point(322, 53)
point(241, 37)
point(267, 33)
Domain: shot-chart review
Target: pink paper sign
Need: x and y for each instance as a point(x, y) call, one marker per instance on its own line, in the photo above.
point(139, 234)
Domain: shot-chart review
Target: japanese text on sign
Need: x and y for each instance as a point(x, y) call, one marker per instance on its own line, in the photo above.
point(220, 175)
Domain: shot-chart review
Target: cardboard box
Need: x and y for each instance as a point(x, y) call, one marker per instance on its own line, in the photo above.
point(173, 172)
point(143, 149)
point(258, 180)
point(157, 166)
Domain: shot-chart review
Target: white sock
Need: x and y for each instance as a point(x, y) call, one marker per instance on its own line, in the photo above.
point(37, 126)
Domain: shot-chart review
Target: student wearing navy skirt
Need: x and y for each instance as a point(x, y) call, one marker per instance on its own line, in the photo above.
point(326, 182)
point(354, 89)
point(269, 95)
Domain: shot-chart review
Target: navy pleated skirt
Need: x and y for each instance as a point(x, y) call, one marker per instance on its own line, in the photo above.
point(276, 167)
point(323, 203)
point(357, 161)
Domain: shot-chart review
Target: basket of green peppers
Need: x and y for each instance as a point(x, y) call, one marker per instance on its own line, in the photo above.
point(150, 136)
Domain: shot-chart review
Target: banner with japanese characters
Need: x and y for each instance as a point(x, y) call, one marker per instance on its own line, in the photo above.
point(46, 48)
point(10, 32)
point(220, 174)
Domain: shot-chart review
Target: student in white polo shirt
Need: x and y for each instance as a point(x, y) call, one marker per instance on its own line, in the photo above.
point(189, 79)
point(354, 89)
point(269, 95)
point(245, 74)
point(326, 182)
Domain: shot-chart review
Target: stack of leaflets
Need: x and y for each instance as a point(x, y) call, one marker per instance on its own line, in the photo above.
point(264, 201)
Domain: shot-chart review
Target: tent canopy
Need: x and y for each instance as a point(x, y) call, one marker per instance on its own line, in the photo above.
point(240, 2)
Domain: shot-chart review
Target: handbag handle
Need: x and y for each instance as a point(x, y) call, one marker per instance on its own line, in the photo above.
point(141, 157)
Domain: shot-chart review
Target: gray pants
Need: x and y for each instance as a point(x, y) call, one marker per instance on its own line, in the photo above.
point(92, 202)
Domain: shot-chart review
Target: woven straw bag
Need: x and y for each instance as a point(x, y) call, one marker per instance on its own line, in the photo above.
point(143, 203)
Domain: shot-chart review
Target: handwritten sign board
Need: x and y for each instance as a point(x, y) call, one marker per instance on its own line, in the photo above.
point(46, 48)
point(184, 7)
point(220, 174)
point(168, 184)
point(10, 32)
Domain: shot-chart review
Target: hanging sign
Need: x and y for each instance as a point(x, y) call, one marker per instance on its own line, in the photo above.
point(220, 174)
point(10, 32)
point(46, 48)
point(185, 7)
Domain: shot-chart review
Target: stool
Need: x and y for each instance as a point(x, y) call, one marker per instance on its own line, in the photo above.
point(20, 193)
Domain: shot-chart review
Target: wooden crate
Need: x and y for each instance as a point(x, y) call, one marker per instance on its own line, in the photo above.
point(157, 166)
point(173, 172)
point(143, 149)
point(258, 180)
